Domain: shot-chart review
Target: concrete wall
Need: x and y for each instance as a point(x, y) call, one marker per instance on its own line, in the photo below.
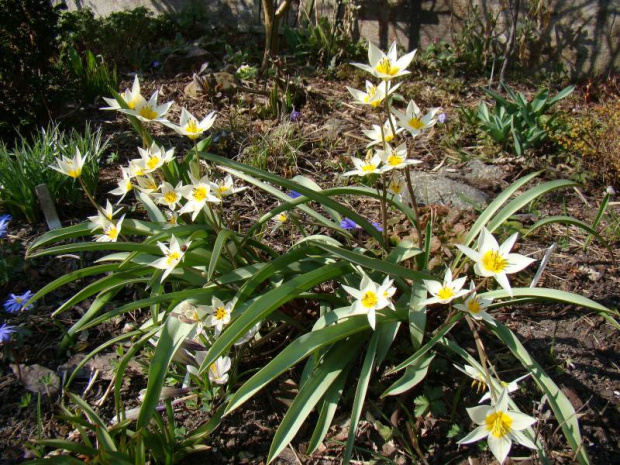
point(584, 33)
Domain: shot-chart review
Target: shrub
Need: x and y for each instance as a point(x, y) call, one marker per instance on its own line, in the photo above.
point(28, 165)
point(28, 45)
point(94, 76)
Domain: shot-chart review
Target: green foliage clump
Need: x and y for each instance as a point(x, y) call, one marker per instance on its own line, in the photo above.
point(93, 75)
point(28, 165)
point(11, 261)
point(28, 45)
point(517, 122)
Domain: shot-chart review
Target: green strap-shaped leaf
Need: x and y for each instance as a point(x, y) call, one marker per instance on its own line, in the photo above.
point(561, 406)
point(296, 351)
point(172, 336)
point(414, 373)
point(152, 210)
point(360, 395)
point(105, 440)
point(328, 371)
point(220, 243)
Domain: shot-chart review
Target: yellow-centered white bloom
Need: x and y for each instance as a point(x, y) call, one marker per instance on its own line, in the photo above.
point(481, 384)
point(500, 426)
point(218, 315)
point(476, 307)
point(494, 260)
point(147, 184)
point(397, 186)
point(190, 126)
point(225, 187)
point(169, 196)
point(124, 185)
point(173, 255)
point(132, 98)
point(414, 121)
point(198, 193)
point(395, 159)
point(103, 217)
point(172, 217)
point(376, 136)
point(445, 292)
point(153, 158)
point(369, 165)
point(72, 167)
point(386, 66)
point(150, 111)
point(374, 95)
point(371, 297)
point(111, 230)
point(137, 168)
point(218, 371)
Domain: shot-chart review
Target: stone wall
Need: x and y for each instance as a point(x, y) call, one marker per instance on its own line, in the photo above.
point(584, 34)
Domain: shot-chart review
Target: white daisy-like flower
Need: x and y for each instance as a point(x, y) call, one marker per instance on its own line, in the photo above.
point(218, 371)
point(132, 98)
point(386, 66)
point(414, 121)
point(153, 158)
point(169, 195)
point(111, 231)
point(198, 193)
point(173, 255)
point(445, 292)
point(147, 184)
point(476, 307)
point(374, 95)
point(500, 426)
point(376, 136)
point(370, 297)
point(369, 165)
point(481, 383)
point(225, 187)
point(190, 126)
point(395, 159)
point(103, 216)
point(397, 186)
point(150, 111)
point(493, 260)
point(71, 167)
point(218, 315)
point(125, 185)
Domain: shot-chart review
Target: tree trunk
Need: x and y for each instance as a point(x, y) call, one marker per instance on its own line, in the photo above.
point(510, 45)
point(272, 18)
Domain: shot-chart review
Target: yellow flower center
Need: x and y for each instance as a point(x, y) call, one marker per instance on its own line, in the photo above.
point(74, 173)
point(220, 313)
point(492, 261)
point(214, 371)
point(369, 168)
point(153, 162)
point(172, 257)
point(394, 160)
point(112, 233)
point(147, 112)
point(133, 102)
point(128, 186)
point(388, 136)
point(282, 218)
point(222, 189)
point(371, 91)
point(193, 128)
point(19, 300)
point(474, 306)
point(416, 123)
point(370, 299)
point(445, 293)
point(385, 66)
point(170, 197)
point(396, 188)
point(199, 193)
point(498, 424)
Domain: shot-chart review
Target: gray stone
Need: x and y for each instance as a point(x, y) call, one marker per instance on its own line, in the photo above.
point(186, 60)
point(477, 173)
point(432, 188)
point(37, 379)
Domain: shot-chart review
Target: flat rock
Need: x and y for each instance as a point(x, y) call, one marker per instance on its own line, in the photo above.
point(477, 174)
point(186, 60)
point(37, 378)
point(432, 189)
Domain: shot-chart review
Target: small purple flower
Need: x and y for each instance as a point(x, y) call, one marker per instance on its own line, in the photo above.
point(5, 333)
point(295, 116)
point(4, 224)
point(378, 226)
point(15, 303)
point(442, 118)
point(348, 223)
point(156, 64)
point(294, 194)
